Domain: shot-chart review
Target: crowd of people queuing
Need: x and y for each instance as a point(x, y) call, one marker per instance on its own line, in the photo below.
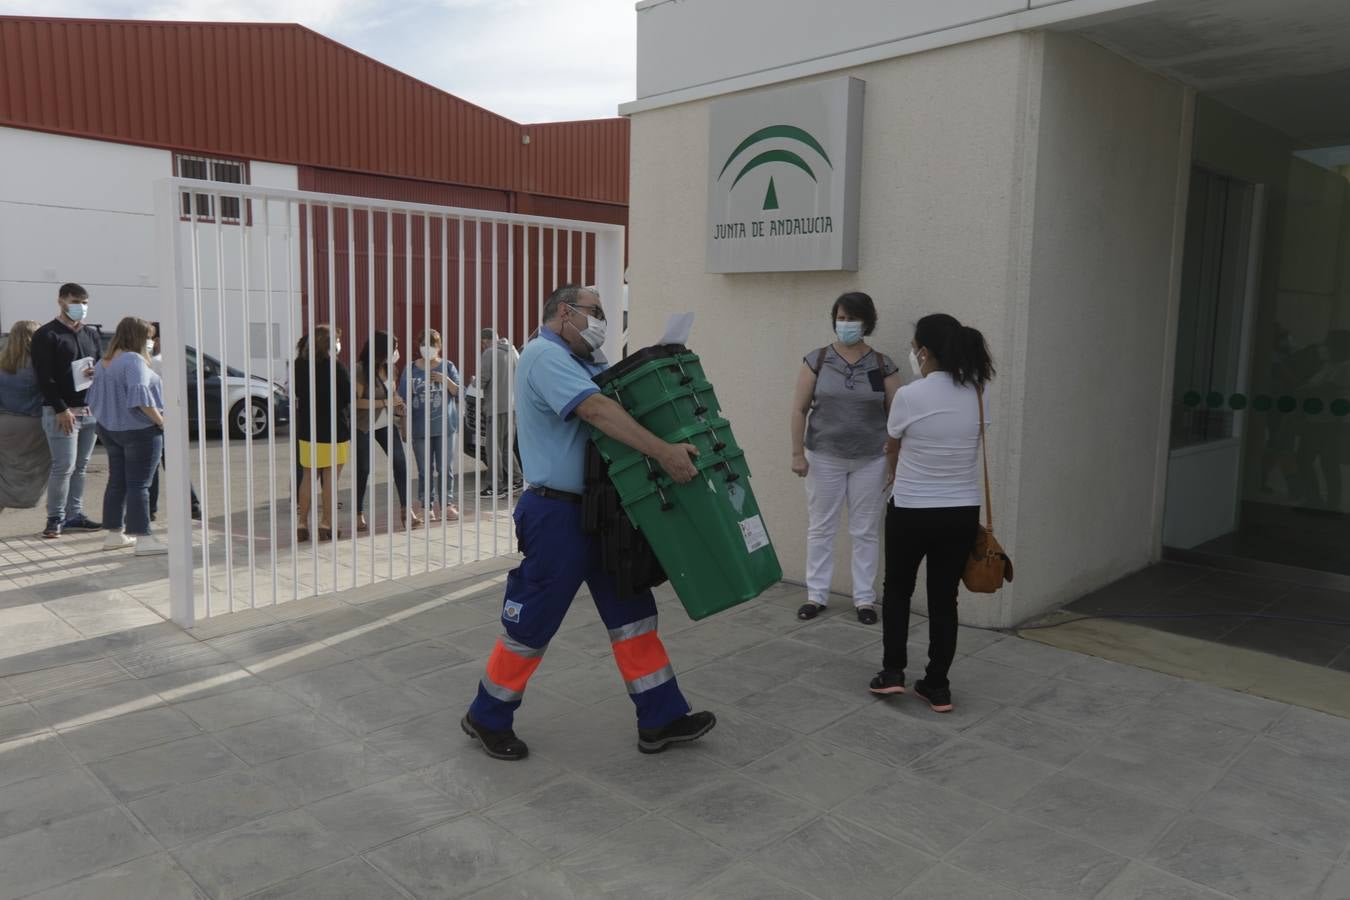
point(62, 391)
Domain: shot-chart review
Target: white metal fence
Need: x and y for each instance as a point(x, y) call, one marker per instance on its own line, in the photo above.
point(240, 294)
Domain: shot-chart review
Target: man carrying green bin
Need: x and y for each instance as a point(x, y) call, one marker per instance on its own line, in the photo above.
point(555, 402)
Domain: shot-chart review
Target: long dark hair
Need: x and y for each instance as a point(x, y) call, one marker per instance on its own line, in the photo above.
point(959, 349)
point(377, 350)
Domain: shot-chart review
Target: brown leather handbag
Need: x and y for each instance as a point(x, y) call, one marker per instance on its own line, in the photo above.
point(988, 566)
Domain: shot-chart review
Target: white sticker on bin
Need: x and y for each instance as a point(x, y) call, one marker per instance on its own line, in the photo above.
point(752, 529)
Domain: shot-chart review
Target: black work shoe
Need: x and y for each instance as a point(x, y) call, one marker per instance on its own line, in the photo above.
point(81, 523)
point(940, 699)
point(867, 615)
point(53, 529)
point(496, 744)
point(682, 730)
point(887, 683)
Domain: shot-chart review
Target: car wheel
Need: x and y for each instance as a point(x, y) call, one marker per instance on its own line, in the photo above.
point(246, 416)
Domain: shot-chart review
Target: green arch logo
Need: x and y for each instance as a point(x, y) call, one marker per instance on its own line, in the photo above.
point(775, 155)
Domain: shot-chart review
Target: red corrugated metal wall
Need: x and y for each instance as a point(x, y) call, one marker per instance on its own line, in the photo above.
point(354, 126)
point(283, 93)
point(434, 258)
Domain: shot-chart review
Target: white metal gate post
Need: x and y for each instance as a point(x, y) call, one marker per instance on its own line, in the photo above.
point(173, 343)
point(609, 281)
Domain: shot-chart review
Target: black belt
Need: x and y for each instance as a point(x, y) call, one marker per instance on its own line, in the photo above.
point(550, 494)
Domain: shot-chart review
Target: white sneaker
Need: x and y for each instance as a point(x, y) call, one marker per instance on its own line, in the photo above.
point(149, 545)
point(116, 540)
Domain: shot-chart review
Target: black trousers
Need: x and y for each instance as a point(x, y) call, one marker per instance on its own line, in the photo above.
point(944, 537)
point(363, 464)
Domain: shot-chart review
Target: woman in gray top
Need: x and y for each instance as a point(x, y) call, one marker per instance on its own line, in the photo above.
point(843, 395)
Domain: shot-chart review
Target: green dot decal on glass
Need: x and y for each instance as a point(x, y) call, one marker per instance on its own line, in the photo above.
point(1262, 403)
point(1238, 401)
point(1286, 404)
point(1214, 400)
point(1312, 406)
point(1340, 407)
point(1191, 398)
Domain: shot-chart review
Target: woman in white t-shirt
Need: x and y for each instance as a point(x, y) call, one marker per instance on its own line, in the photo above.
point(934, 512)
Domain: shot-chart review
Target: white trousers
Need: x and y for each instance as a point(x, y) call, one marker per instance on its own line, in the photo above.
point(830, 483)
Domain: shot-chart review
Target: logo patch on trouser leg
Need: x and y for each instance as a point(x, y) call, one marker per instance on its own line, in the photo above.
point(511, 611)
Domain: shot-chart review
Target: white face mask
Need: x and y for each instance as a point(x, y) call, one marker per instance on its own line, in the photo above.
point(914, 365)
point(428, 352)
point(393, 358)
point(337, 347)
point(76, 311)
point(594, 332)
point(849, 332)
point(149, 348)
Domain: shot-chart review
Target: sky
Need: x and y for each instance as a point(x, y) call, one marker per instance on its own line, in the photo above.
point(528, 60)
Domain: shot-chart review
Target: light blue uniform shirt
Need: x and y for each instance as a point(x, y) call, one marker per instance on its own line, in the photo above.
point(551, 382)
point(120, 388)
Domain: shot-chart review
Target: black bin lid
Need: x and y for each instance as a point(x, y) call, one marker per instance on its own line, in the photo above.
point(637, 360)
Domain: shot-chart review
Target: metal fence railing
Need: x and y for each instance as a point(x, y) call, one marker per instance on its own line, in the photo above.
point(250, 302)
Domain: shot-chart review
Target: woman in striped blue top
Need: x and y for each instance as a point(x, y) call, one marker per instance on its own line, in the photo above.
point(127, 398)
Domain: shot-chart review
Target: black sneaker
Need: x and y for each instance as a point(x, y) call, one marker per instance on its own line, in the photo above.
point(81, 523)
point(487, 492)
point(940, 699)
point(887, 683)
point(496, 744)
point(682, 730)
point(53, 529)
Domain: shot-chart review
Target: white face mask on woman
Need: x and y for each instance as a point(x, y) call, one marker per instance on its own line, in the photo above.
point(428, 352)
point(150, 348)
point(393, 358)
point(914, 364)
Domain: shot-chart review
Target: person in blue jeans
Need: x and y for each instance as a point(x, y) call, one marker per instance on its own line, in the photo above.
point(66, 420)
point(127, 397)
point(430, 387)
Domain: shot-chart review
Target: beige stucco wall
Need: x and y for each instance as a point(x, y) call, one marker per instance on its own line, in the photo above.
point(939, 194)
point(1112, 166)
point(1039, 210)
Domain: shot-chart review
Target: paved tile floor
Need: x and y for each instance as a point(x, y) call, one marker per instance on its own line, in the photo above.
point(313, 751)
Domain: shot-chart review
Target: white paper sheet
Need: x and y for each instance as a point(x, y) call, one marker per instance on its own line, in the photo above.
point(77, 369)
point(678, 327)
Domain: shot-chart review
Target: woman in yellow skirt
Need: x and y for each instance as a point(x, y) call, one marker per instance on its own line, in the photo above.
point(324, 443)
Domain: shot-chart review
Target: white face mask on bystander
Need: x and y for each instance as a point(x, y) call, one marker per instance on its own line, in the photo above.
point(914, 365)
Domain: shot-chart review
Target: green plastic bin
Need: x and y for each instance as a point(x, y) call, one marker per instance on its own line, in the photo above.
point(708, 534)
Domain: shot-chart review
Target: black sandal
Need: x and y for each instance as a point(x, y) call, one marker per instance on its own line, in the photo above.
point(808, 611)
point(867, 615)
